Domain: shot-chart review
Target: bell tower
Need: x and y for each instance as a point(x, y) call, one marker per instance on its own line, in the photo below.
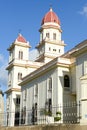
point(50, 45)
point(18, 57)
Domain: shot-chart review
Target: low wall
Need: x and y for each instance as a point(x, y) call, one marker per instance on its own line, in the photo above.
point(47, 127)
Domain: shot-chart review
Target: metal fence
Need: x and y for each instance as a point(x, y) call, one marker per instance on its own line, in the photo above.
point(68, 113)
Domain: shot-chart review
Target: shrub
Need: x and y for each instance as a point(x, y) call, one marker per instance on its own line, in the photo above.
point(58, 116)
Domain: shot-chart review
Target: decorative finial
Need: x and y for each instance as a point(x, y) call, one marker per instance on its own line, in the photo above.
point(20, 31)
point(51, 7)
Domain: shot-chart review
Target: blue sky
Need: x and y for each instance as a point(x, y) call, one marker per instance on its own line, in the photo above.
point(26, 15)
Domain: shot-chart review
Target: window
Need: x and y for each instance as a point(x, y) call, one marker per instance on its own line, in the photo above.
point(50, 84)
point(59, 50)
point(20, 55)
point(8, 102)
point(54, 36)
point(34, 113)
point(84, 65)
point(25, 94)
point(48, 107)
point(36, 90)
point(18, 100)
point(10, 79)
point(11, 55)
point(66, 81)
point(41, 36)
point(54, 49)
point(49, 48)
point(23, 115)
point(47, 35)
point(19, 76)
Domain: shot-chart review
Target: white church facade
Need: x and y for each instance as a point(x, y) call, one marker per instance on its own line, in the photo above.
point(54, 79)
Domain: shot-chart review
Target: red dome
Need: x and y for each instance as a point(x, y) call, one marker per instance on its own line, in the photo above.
point(50, 17)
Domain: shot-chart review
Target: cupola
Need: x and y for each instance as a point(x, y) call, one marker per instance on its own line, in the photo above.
point(50, 17)
point(20, 38)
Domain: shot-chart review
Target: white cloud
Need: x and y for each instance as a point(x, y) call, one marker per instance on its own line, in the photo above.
point(33, 55)
point(84, 11)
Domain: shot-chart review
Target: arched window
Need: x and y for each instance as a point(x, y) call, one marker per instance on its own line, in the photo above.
point(20, 55)
point(66, 81)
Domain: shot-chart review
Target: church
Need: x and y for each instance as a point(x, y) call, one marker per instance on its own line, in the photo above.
point(39, 90)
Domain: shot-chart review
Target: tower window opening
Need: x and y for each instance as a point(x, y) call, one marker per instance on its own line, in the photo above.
point(47, 35)
point(54, 49)
point(49, 48)
point(20, 55)
point(18, 100)
point(19, 76)
point(54, 36)
point(59, 50)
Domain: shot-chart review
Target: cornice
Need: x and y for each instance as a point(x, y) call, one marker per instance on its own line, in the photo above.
point(45, 68)
point(78, 50)
point(50, 26)
point(13, 89)
point(18, 44)
point(55, 42)
point(43, 56)
point(27, 64)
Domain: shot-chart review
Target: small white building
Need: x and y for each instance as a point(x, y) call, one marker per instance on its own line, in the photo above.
point(53, 80)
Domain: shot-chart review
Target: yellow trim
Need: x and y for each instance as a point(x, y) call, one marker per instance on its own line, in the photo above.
point(22, 65)
point(50, 26)
point(18, 44)
point(43, 56)
point(42, 70)
point(13, 89)
point(55, 42)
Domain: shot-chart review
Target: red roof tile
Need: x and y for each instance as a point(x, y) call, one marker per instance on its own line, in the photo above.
point(20, 38)
point(50, 17)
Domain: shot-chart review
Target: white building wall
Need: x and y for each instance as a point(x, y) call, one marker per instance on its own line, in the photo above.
point(60, 84)
point(83, 101)
point(64, 94)
point(42, 97)
point(21, 48)
point(80, 71)
point(73, 79)
point(55, 49)
point(2, 122)
point(17, 70)
point(59, 95)
point(11, 106)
